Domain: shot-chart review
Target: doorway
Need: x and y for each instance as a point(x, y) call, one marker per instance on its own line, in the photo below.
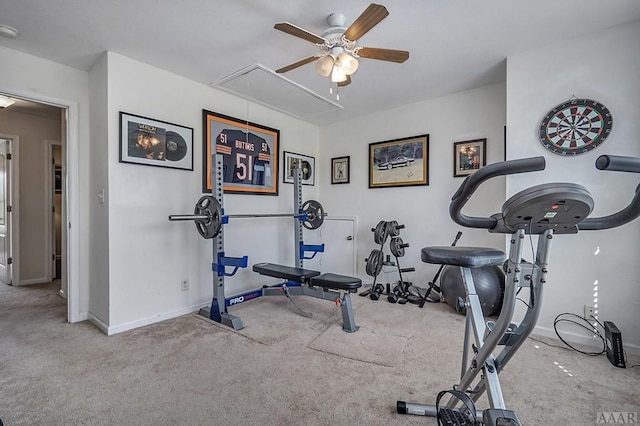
point(36, 252)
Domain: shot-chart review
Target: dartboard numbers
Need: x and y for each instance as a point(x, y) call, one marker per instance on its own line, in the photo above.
point(575, 127)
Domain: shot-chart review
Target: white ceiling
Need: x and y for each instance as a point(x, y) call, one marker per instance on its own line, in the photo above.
point(454, 45)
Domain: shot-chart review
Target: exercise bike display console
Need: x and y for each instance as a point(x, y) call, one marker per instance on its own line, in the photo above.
point(544, 210)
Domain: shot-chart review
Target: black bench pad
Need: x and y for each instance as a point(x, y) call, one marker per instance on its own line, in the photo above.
point(298, 275)
point(469, 257)
point(337, 282)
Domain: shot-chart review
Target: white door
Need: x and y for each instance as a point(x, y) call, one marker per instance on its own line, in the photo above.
point(338, 234)
point(5, 211)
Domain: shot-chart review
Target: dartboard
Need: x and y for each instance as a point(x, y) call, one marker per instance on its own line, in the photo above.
point(575, 127)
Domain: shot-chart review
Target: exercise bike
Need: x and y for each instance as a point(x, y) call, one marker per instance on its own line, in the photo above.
point(545, 210)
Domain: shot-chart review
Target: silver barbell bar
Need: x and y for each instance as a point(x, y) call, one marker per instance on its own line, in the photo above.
point(179, 217)
point(208, 216)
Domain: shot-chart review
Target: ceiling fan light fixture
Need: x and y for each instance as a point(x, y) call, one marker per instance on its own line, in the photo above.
point(348, 63)
point(338, 75)
point(325, 65)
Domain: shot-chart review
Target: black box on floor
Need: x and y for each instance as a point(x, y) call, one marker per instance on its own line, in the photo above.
point(615, 353)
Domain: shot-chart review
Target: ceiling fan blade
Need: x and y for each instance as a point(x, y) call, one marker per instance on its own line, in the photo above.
point(383, 54)
point(297, 64)
point(367, 20)
point(299, 32)
point(346, 82)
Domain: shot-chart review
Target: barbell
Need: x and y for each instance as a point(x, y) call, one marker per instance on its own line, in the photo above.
point(208, 218)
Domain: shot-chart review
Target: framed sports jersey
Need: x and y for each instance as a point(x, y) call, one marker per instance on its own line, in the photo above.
point(249, 151)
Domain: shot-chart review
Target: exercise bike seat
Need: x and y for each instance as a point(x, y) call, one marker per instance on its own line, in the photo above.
point(337, 282)
point(289, 273)
point(468, 257)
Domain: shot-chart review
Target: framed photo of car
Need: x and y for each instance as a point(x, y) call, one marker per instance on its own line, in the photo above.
point(469, 157)
point(399, 162)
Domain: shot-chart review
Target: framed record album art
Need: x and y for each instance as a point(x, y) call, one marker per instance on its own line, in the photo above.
point(306, 163)
point(249, 154)
point(155, 143)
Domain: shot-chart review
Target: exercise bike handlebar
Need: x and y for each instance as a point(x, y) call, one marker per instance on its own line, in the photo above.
point(616, 163)
point(471, 183)
point(604, 162)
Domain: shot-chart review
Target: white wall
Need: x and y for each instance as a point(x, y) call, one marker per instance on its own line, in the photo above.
point(33, 131)
point(148, 255)
point(36, 78)
point(424, 210)
point(536, 82)
point(99, 242)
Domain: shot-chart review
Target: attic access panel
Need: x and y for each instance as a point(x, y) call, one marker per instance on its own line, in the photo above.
point(261, 85)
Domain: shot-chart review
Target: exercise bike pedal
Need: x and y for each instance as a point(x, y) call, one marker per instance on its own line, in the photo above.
point(449, 417)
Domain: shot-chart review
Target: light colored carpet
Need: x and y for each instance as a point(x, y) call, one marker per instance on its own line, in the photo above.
point(394, 327)
point(189, 371)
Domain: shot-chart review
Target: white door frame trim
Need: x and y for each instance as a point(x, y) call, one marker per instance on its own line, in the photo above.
point(49, 204)
point(15, 206)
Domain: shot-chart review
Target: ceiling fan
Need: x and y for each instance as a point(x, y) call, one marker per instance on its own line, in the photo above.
point(338, 45)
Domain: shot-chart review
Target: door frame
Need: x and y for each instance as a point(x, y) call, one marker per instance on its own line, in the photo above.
point(71, 206)
point(48, 205)
point(14, 202)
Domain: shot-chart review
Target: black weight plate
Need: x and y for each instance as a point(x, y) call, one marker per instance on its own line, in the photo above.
point(373, 266)
point(393, 228)
point(315, 214)
point(380, 233)
point(396, 245)
point(208, 206)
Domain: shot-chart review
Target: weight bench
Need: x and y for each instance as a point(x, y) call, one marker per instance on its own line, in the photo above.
point(307, 282)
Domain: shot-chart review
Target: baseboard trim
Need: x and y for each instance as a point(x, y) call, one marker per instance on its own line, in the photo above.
point(111, 330)
point(582, 339)
point(98, 323)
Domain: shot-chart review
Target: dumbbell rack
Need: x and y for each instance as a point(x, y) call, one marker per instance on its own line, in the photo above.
point(376, 261)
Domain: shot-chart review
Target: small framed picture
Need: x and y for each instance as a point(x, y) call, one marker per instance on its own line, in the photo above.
point(469, 156)
point(306, 163)
point(340, 170)
point(399, 162)
point(155, 143)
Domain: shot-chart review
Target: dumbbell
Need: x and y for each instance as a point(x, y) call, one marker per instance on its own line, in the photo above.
point(376, 292)
point(394, 296)
point(398, 295)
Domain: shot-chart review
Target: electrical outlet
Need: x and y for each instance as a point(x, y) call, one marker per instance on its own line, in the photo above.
point(184, 284)
point(589, 311)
